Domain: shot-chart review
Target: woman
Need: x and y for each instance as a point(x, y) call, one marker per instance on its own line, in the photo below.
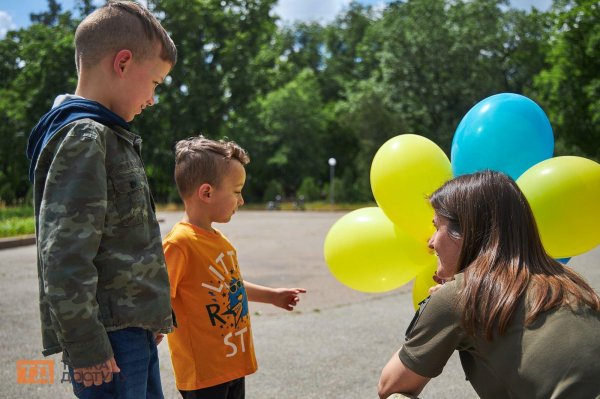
point(525, 326)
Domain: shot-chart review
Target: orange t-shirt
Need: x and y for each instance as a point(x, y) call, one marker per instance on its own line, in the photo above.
point(212, 343)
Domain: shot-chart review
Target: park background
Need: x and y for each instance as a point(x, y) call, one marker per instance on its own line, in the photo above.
point(296, 94)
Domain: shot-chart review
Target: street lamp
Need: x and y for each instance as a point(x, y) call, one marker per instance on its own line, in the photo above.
point(332, 163)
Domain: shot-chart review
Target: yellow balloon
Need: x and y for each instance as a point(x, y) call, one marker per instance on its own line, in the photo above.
point(366, 252)
point(405, 170)
point(564, 195)
point(423, 282)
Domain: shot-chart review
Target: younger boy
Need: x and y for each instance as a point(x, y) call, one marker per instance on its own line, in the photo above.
point(104, 289)
point(212, 348)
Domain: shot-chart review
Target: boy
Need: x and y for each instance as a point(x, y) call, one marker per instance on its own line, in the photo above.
point(212, 348)
point(104, 290)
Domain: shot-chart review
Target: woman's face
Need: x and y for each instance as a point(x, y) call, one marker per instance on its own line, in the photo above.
point(446, 247)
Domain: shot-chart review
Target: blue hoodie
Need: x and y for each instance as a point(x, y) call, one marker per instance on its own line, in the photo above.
point(74, 108)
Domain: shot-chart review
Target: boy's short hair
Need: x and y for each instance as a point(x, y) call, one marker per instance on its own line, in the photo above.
point(121, 25)
point(199, 160)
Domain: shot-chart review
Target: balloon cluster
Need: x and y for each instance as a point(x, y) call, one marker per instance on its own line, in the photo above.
point(378, 249)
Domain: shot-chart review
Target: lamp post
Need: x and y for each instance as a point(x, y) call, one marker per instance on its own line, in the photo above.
point(332, 163)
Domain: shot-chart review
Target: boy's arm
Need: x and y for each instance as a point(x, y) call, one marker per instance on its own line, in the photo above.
point(285, 298)
point(71, 222)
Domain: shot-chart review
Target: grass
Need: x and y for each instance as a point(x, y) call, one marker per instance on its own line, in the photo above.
point(15, 212)
point(16, 221)
point(285, 206)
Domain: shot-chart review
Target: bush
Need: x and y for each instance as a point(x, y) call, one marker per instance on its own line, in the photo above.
point(309, 189)
point(16, 212)
point(16, 221)
point(273, 190)
point(15, 226)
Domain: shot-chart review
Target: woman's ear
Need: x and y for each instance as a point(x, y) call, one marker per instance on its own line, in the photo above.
point(121, 61)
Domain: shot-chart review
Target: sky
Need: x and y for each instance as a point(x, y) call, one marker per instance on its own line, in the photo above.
point(14, 14)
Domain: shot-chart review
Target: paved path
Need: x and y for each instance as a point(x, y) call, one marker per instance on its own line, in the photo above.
point(333, 346)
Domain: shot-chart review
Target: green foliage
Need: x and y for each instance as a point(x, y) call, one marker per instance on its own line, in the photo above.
point(309, 189)
point(340, 191)
point(16, 226)
point(294, 125)
point(16, 212)
point(273, 190)
point(16, 221)
point(570, 88)
point(296, 95)
point(37, 64)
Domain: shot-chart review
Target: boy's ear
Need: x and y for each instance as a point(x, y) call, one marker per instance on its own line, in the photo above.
point(205, 192)
point(121, 61)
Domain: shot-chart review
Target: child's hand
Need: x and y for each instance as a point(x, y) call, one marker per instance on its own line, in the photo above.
point(287, 298)
point(158, 337)
point(96, 375)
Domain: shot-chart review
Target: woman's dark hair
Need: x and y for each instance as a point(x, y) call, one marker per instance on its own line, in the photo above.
point(502, 255)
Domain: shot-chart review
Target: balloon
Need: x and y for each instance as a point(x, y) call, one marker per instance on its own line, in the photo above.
point(564, 261)
point(405, 170)
point(423, 282)
point(505, 132)
point(563, 193)
point(366, 252)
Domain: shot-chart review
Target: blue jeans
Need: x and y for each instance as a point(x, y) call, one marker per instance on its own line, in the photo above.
point(137, 357)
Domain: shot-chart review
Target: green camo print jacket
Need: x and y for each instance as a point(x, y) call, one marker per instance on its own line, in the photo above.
point(100, 261)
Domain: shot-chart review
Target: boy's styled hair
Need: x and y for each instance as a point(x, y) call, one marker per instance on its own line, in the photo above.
point(199, 160)
point(121, 25)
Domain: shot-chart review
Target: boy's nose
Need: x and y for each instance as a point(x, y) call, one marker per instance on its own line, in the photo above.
point(241, 201)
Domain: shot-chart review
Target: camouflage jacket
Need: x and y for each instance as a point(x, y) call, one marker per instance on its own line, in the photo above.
point(100, 261)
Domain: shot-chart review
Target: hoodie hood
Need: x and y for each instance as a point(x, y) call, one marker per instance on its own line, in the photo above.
point(66, 109)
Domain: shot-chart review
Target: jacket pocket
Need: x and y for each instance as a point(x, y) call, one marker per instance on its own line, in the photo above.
point(130, 196)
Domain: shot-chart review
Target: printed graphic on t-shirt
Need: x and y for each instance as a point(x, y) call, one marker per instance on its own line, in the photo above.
point(230, 301)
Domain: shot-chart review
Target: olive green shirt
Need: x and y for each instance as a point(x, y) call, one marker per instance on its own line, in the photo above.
point(558, 356)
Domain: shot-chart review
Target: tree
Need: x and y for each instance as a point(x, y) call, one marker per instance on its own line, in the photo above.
point(439, 58)
point(50, 17)
point(295, 95)
point(214, 78)
point(37, 64)
point(570, 88)
point(342, 43)
point(294, 123)
point(525, 49)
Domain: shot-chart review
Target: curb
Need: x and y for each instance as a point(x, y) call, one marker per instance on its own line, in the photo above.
point(17, 241)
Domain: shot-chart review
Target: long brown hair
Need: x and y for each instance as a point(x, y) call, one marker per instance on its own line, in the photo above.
point(502, 255)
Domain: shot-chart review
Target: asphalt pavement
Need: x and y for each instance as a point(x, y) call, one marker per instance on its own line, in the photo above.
point(333, 345)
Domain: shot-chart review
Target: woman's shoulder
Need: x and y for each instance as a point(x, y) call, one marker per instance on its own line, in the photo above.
point(445, 301)
point(451, 288)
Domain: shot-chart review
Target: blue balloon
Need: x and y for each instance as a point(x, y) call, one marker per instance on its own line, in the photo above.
point(506, 132)
point(564, 261)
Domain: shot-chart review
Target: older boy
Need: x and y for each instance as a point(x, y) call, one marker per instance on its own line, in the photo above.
point(104, 290)
point(212, 349)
